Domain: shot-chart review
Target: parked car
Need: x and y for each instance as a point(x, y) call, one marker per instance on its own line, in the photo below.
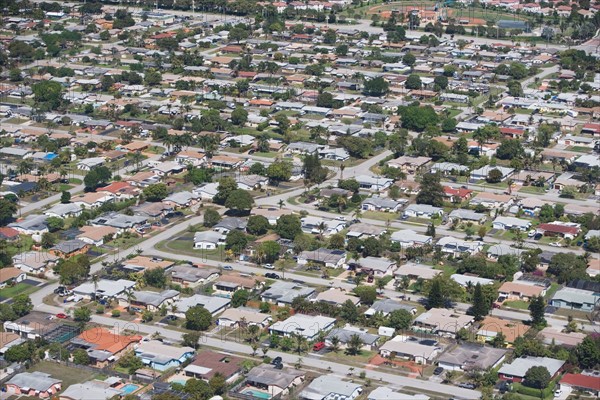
point(531, 233)
point(228, 268)
point(318, 346)
point(62, 316)
point(438, 370)
point(269, 266)
point(276, 360)
point(278, 366)
point(272, 275)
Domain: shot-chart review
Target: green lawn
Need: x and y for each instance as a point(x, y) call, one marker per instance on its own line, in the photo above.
point(381, 216)
point(19, 288)
point(68, 375)
point(520, 304)
point(532, 190)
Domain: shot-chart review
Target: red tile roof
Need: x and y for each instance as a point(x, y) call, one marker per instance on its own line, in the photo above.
point(556, 228)
point(582, 381)
point(8, 233)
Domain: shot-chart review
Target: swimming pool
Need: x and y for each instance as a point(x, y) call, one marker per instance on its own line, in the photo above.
point(180, 381)
point(129, 388)
point(257, 394)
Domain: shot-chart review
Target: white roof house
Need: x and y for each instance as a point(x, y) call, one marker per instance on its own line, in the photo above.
point(330, 387)
point(104, 288)
point(308, 326)
point(519, 367)
point(508, 223)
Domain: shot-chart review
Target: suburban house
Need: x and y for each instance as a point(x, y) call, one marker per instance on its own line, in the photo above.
point(408, 164)
point(462, 215)
point(284, 292)
point(402, 347)
point(509, 223)
point(104, 289)
point(456, 195)
point(345, 334)
point(64, 210)
point(491, 200)
point(575, 299)
point(189, 276)
point(442, 322)
point(70, 248)
point(423, 211)
point(561, 229)
point(322, 226)
point(471, 357)
point(491, 327)
point(531, 206)
point(160, 356)
point(33, 384)
point(457, 247)
point(585, 382)
point(103, 346)
point(8, 340)
point(520, 291)
point(469, 280)
point(120, 221)
point(10, 276)
point(325, 257)
point(214, 304)
point(144, 263)
point(375, 266)
point(327, 387)
point(410, 238)
point(32, 225)
point(336, 296)
point(94, 389)
point(208, 240)
point(226, 285)
point(234, 317)
point(483, 172)
point(373, 183)
point(208, 363)
point(96, 235)
point(377, 203)
point(273, 381)
point(515, 371)
point(386, 306)
point(307, 326)
point(415, 271)
point(151, 301)
point(363, 231)
point(550, 335)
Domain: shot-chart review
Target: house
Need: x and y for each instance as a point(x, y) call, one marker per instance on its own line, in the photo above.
point(336, 297)
point(104, 288)
point(64, 210)
point(190, 157)
point(272, 214)
point(228, 284)
point(213, 304)
point(251, 182)
point(423, 211)
point(273, 381)
point(11, 276)
point(161, 357)
point(34, 262)
point(446, 168)
point(33, 384)
point(95, 389)
point(8, 234)
point(39, 325)
point(327, 387)
point(413, 350)
point(70, 248)
point(373, 183)
point(209, 363)
point(122, 222)
point(89, 163)
point(181, 199)
point(362, 231)
point(167, 168)
point(442, 322)
point(326, 257)
point(468, 280)
point(386, 393)
point(144, 263)
point(520, 291)
point(408, 164)
point(515, 371)
point(284, 292)
point(471, 357)
point(575, 299)
point(510, 223)
point(376, 266)
point(229, 224)
point(234, 317)
point(32, 225)
point(458, 247)
point(491, 327)
point(531, 206)
point(491, 200)
point(207, 240)
point(345, 334)
point(307, 326)
point(561, 229)
point(386, 306)
point(584, 382)
point(410, 238)
point(483, 172)
point(104, 346)
point(96, 235)
point(415, 271)
point(462, 215)
point(120, 191)
point(151, 301)
point(8, 340)
point(321, 226)
point(189, 276)
point(550, 335)
point(377, 203)
point(456, 195)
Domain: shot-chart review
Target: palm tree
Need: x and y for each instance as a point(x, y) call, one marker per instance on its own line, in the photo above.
point(137, 159)
point(300, 342)
point(129, 296)
point(335, 344)
point(280, 203)
point(95, 279)
point(322, 226)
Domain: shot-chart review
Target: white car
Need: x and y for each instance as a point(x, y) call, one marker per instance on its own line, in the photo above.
point(531, 233)
point(269, 266)
point(556, 244)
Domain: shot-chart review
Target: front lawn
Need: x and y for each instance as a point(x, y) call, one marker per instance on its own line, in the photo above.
point(19, 288)
point(519, 304)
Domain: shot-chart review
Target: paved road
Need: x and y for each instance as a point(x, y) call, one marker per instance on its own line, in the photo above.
point(40, 204)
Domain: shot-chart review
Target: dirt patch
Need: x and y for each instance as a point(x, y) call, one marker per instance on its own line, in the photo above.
point(414, 369)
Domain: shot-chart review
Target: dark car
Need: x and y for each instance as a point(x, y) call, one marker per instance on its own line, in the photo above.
point(467, 385)
point(271, 275)
point(276, 360)
point(278, 366)
point(537, 236)
point(438, 371)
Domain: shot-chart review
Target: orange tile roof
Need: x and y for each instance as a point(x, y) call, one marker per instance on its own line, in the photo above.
point(103, 339)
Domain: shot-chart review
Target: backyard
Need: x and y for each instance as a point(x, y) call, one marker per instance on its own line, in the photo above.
point(68, 375)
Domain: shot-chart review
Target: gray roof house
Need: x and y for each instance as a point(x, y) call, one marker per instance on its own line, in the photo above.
point(508, 223)
point(152, 300)
point(330, 258)
point(96, 390)
point(284, 292)
point(423, 211)
point(229, 224)
point(104, 288)
point(456, 247)
point(192, 276)
point(308, 326)
point(38, 384)
point(386, 306)
point(408, 237)
point(207, 240)
point(117, 220)
point(379, 266)
point(448, 168)
point(575, 299)
point(31, 225)
point(345, 334)
point(274, 381)
point(467, 215)
point(471, 357)
point(330, 387)
point(377, 203)
point(63, 210)
point(213, 304)
point(520, 366)
point(482, 173)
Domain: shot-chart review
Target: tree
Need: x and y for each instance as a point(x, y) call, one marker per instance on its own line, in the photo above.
point(430, 230)
point(240, 298)
point(47, 95)
point(155, 277)
point(197, 318)
point(413, 82)
point(279, 171)
point(239, 200)
point(330, 37)
point(418, 118)
point(436, 298)
point(82, 314)
point(191, 339)
point(269, 251)
point(499, 341)
point(409, 59)
point(288, 226)
point(588, 352)
point(432, 192)
point(257, 225)
point(236, 241)
point(510, 149)
point(55, 223)
point(494, 176)
point(96, 177)
point(449, 125)
point(152, 77)
point(341, 50)
point(481, 306)
point(440, 82)
point(325, 99)
point(156, 192)
point(349, 312)
point(21, 305)
point(283, 123)
point(7, 209)
point(198, 389)
point(400, 319)
point(354, 344)
point(312, 169)
point(239, 116)
point(537, 377)
point(226, 186)
point(80, 357)
point(218, 384)
point(65, 197)
point(367, 294)
point(211, 217)
point(537, 308)
point(567, 267)
point(375, 86)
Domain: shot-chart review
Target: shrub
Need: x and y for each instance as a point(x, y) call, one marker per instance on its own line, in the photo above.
point(116, 313)
point(100, 309)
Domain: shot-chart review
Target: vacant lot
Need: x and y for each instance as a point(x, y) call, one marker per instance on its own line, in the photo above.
point(68, 375)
